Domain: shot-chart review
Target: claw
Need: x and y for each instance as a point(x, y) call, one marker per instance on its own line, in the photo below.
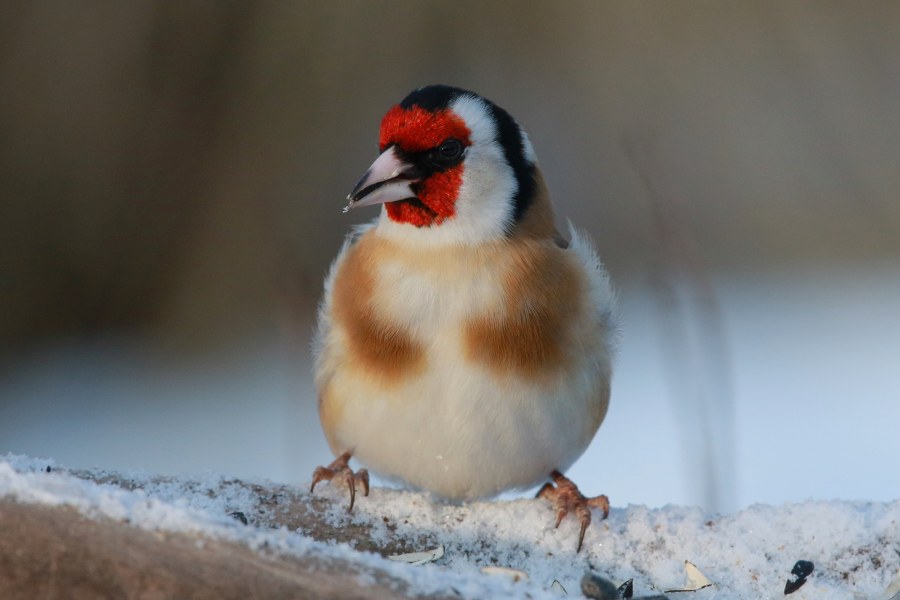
point(581, 532)
point(352, 493)
point(561, 513)
point(362, 476)
point(566, 497)
point(601, 502)
point(339, 469)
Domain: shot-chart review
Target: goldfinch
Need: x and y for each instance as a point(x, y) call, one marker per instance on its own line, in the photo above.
point(463, 347)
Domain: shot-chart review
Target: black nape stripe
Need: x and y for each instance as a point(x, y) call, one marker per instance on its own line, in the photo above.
point(510, 137)
point(437, 97)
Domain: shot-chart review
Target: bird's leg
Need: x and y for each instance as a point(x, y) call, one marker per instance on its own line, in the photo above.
point(340, 470)
point(566, 497)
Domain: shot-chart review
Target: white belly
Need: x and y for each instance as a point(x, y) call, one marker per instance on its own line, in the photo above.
point(462, 432)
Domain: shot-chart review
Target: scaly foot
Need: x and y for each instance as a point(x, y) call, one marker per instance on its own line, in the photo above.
point(340, 471)
point(566, 497)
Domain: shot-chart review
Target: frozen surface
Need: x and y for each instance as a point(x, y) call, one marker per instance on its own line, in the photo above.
point(747, 554)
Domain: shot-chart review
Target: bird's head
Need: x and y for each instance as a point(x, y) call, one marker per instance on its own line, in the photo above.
point(454, 168)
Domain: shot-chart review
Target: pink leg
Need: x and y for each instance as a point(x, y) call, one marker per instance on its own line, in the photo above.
point(566, 497)
point(339, 469)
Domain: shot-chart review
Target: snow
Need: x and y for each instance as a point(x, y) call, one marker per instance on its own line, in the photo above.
point(746, 554)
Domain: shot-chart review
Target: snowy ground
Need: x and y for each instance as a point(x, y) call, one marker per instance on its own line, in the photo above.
point(855, 547)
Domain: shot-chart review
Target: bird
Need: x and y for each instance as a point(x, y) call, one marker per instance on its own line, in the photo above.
point(464, 347)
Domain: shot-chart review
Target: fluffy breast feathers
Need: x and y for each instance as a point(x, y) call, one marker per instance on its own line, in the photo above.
point(523, 311)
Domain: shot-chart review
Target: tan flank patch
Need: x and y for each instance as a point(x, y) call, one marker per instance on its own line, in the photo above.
point(531, 334)
point(377, 345)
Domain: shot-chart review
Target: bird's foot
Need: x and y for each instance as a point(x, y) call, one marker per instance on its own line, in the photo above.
point(566, 498)
point(339, 470)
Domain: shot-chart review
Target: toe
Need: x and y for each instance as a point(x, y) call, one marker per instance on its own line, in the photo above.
point(566, 498)
point(338, 472)
point(351, 484)
point(318, 475)
point(362, 477)
point(601, 502)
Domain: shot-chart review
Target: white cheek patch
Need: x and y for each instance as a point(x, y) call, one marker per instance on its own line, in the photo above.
point(477, 117)
point(485, 204)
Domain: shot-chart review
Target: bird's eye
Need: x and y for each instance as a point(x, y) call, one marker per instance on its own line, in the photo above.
point(450, 149)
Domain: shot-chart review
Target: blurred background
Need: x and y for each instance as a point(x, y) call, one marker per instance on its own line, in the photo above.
point(172, 176)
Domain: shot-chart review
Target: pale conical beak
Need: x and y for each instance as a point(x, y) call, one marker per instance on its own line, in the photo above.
point(388, 179)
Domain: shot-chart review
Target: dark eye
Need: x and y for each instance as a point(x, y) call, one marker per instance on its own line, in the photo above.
point(450, 149)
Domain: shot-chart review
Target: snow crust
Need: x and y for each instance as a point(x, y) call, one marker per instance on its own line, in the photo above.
point(855, 546)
